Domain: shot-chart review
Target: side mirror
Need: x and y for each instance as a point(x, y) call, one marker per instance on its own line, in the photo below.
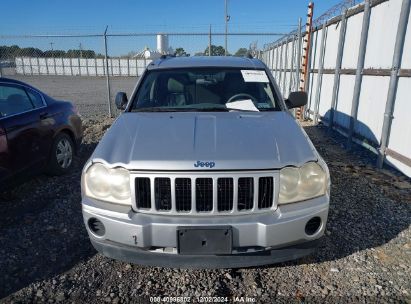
point(121, 100)
point(296, 99)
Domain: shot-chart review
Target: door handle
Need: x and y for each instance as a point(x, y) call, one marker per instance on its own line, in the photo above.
point(44, 115)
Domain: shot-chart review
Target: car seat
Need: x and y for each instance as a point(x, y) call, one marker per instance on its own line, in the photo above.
point(177, 93)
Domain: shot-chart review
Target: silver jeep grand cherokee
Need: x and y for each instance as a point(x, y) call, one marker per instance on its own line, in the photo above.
point(205, 168)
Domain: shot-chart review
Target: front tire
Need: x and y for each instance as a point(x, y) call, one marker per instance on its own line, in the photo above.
point(62, 155)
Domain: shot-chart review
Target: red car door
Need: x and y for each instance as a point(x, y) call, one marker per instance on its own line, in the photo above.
point(22, 142)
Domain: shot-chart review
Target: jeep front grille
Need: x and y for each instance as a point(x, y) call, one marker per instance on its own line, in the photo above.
point(205, 193)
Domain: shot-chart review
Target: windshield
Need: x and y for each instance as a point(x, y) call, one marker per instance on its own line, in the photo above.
point(210, 89)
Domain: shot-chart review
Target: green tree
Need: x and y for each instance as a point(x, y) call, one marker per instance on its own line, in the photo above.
point(54, 53)
point(180, 52)
point(82, 53)
point(215, 51)
point(241, 52)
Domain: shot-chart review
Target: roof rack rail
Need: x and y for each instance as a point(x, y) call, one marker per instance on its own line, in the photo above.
point(164, 56)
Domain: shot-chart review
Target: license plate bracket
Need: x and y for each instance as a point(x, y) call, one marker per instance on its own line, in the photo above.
point(205, 240)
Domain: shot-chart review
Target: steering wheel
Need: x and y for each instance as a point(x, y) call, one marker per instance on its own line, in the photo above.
point(236, 96)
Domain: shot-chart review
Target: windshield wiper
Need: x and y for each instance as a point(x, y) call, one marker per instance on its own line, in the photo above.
point(152, 109)
point(160, 109)
point(268, 109)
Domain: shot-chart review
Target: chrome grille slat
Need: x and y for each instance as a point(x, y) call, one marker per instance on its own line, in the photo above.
point(205, 193)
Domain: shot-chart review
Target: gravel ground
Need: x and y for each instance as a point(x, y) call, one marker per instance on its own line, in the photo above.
point(365, 255)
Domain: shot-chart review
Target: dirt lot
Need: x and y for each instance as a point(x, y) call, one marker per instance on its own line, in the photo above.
point(88, 93)
point(365, 255)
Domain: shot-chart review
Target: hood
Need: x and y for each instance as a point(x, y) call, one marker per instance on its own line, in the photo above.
point(204, 141)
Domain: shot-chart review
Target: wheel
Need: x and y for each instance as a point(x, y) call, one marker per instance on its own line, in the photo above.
point(61, 157)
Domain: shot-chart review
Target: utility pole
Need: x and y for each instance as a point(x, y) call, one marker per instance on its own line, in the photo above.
point(81, 50)
point(227, 18)
point(51, 46)
point(209, 42)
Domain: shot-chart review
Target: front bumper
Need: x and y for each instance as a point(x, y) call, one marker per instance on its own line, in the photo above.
point(257, 239)
point(143, 257)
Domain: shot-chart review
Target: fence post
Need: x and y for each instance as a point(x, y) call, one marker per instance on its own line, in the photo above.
point(55, 66)
point(292, 64)
point(298, 67)
point(307, 72)
point(280, 72)
point(320, 73)
point(88, 73)
point(270, 59)
point(79, 67)
point(338, 63)
point(62, 63)
point(107, 74)
point(47, 66)
point(309, 57)
point(111, 67)
point(71, 66)
point(209, 42)
point(31, 66)
point(38, 65)
point(276, 61)
point(95, 65)
point(360, 67)
point(285, 65)
point(392, 89)
point(128, 66)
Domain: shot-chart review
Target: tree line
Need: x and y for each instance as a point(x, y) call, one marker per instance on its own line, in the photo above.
point(216, 50)
point(7, 52)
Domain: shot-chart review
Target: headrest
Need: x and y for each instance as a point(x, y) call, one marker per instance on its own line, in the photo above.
point(174, 86)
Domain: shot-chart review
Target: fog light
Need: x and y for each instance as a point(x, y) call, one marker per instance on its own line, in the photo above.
point(313, 226)
point(96, 226)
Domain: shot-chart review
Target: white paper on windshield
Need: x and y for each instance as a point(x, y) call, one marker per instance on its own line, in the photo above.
point(246, 105)
point(254, 76)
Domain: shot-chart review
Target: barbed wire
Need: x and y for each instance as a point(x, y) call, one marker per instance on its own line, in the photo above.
point(336, 10)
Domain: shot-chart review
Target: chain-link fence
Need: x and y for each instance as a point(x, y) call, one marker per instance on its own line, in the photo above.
point(89, 69)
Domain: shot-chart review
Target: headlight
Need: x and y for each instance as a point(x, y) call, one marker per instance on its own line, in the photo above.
point(298, 184)
point(112, 185)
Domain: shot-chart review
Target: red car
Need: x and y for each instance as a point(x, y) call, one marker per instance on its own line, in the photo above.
point(36, 132)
